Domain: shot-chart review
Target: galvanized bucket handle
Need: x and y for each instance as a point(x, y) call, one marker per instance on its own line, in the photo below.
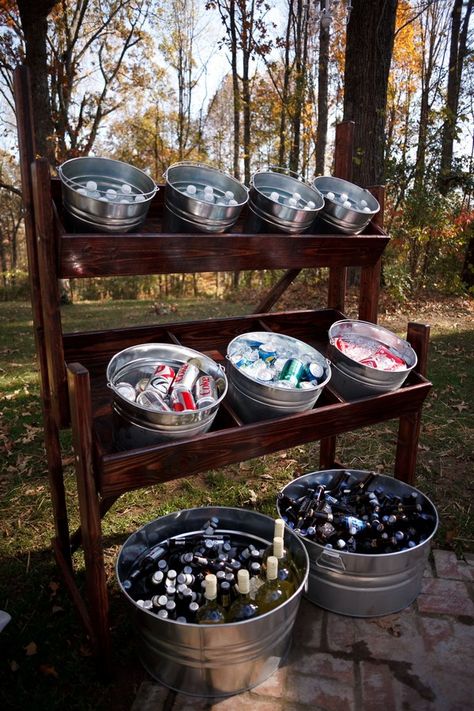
point(331, 560)
point(74, 184)
point(200, 164)
point(279, 169)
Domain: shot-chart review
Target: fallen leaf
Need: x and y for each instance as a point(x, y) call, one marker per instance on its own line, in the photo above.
point(31, 649)
point(460, 406)
point(266, 476)
point(252, 496)
point(48, 670)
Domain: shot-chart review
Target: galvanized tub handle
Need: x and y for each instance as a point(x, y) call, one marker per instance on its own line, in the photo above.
point(332, 560)
point(278, 169)
point(74, 184)
point(200, 164)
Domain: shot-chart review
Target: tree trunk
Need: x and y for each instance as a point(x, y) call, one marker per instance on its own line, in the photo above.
point(235, 88)
point(285, 90)
point(33, 16)
point(457, 55)
point(323, 83)
point(370, 36)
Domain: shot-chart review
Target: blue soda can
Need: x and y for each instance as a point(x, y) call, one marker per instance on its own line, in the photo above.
point(267, 353)
point(313, 371)
point(251, 343)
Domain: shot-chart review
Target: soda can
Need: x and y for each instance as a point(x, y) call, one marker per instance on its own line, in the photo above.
point(267, 353)
point(292, 372)
point(313, 371)
point(152, 400)
point(186, 376)
point(162, 378)
point(182, 399)
point(142, 385)
point(205, 391)
point(126, 390)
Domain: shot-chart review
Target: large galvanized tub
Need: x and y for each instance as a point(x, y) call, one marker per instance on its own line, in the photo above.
point(136, 426)
point(212, 660)
point(254, 400)
point(361, 584)
point(348, 208)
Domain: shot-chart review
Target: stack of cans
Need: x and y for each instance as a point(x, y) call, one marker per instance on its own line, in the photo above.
point(283, 365)
point(172, 390)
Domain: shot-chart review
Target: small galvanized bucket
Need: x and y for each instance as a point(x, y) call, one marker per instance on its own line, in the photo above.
point(363, 584)
point(213, 660)
point(137, 426)
point(280, 201)
point(347, 208)
point(254, 400)
point(199, 198)
point(105, 195)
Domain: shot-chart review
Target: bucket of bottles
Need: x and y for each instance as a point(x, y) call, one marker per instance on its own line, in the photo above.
point(263, 379)
point(361, 578)
point(347, 208)
point(280, 201)
point(199, 198)
point(208, 659)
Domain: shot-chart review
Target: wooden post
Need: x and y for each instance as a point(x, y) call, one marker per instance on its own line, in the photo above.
point(370, 276)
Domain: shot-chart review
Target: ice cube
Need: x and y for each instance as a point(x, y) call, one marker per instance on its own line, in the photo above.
point(347, 203)
point(292, 202)
point(208, 197)
point(274, 196)
point(139, 198)
point(208, 190)
point(82, 191)
point(343, 197)
point(126, 189)
point(93, 194)
point(91, 185)
point(229, 195)
point(330, 195)
point(191, 190)
point(111, 194)
point(366, 209)
point(296, 196)
point(233, 202)
point(310, 205)
point(363, 203)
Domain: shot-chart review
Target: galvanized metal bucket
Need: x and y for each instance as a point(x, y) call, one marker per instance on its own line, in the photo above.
point(254, 400)
point(355, 377)
point(212, 660)
point(188, 208)
point(105, 195)
point(137, 426)
point(347, 208)
point(360, 584)
point(281, 201)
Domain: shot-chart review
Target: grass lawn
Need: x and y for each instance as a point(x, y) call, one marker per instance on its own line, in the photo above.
point(45, 659)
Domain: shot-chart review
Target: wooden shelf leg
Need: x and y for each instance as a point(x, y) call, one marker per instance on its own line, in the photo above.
point(407, 447)
point(327, 453)
point(89, 509)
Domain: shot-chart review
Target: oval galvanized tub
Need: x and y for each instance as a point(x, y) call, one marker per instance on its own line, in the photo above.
point(254, 400)
point(363, 584)
point(212, 660)
point(137, 426)
point(342, 218)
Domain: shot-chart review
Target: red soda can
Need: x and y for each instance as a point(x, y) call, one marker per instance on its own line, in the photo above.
point(205, 391)
point(186, 376)
point(162, 378)
point(182, 399)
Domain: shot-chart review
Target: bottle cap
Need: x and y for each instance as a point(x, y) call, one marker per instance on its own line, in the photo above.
point(243, 581)
point(278, 549)
point(272, 567)
point(211, 586)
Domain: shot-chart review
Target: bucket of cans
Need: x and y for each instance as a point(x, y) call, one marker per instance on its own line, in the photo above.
point(272, 375)
point(200, 198)
point(163, 392)
point(367, 535)
point(280, 201)
point(368, 359)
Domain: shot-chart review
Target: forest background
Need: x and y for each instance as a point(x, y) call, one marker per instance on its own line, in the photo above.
point(243, 84)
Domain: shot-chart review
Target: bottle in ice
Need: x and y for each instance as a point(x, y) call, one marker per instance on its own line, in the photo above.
point(274, 591)
point(243, 607)
point(210, 612)
point(278, 532)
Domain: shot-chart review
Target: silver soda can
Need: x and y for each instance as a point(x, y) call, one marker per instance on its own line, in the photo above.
point(205, 391)
point(126, 390)
point(142, 385)
point(186, 376)
point(162, 378)
point(152, 400)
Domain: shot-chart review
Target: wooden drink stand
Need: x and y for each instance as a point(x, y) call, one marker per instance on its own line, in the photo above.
point(72, 366)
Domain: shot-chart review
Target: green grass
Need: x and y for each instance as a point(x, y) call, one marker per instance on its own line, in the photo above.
point(45, 662)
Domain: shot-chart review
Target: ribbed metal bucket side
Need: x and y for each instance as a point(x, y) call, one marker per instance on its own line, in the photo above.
point(363, 584)
point(213, 660)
